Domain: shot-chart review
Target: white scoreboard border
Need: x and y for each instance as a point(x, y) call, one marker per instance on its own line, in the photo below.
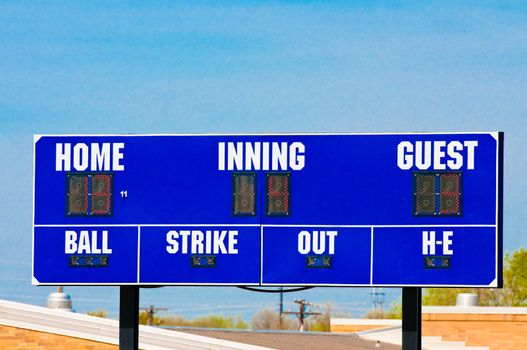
point(499, 180)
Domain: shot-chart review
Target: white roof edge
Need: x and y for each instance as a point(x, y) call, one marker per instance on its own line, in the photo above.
point(493, 310)
point(364, 322)
point(82, 326)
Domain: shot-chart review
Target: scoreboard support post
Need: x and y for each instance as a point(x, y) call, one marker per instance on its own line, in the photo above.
point(128, 318)
point(411, 327)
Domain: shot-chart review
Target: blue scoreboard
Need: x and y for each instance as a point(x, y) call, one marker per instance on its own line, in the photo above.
point(402, 209)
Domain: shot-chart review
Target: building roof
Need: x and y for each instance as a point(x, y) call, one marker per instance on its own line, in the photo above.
point(296, 340)
point(104, 330)
point(41, 319)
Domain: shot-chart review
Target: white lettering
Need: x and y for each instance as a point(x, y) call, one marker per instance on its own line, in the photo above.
point(233, 241)
point(94, 248)
point(331, 235)
point(208, 244)
point(117, 156)
point(471, 146)
point(296, 156)
point(88, 242)
point(221, 156)
point(173, 246)
point(279, 156)
point(423, 158)
point(197, 242)
point(235, 155)
point(316, 242)
point(71, 242)
point(304, 242)
point(252, 156)
point(319, 242)
point(439, 154)
point(456, 161)
point(429, 242)
point(184, 238)
point(105, 247)
point(447, 242)
point(265, 156)
point(219, 245)
point(80, 157)
point(96, 156)
point(100, 158)
point(261, 156)
point(405, 158)
point(84, 243)
point(63, 157)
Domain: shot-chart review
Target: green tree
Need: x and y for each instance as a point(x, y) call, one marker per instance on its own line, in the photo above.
point(442, 296)
point(513, 293)
point(515, 278)
point(98, 313)
point(216, 321)
point(395, 311)
point(322, 322)
point(143, 319)
point(210, 321)
point(376, 314)
point(270, 319)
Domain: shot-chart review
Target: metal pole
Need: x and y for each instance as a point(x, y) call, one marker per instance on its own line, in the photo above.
point(128, 318)
point(411, 318)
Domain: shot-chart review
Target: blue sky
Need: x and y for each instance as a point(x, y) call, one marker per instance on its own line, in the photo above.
point(256, 66)
point(253, 67)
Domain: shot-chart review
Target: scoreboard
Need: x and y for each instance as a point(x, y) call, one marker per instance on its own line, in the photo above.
point(402, 209)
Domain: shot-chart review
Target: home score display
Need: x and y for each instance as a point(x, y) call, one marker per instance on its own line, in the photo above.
point(405, 209)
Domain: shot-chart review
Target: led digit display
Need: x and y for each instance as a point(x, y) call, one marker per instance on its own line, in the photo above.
point(244, 194)
point(101, 194)
point(437, 194)
point(449, 194)
point(278, 194)
point(88, 194)
point(424, 194)
point(77, 196)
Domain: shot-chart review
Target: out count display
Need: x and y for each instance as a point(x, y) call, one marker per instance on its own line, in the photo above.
point(401, 209)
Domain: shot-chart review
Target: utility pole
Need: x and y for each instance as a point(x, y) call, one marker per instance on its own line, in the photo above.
point(302, 314)
point(281, 306)
point(151, 311)
point(377, 299)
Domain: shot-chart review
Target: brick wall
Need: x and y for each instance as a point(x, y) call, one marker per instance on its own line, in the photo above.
point(496, 328)
point(497, 331)
point(12, 338)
